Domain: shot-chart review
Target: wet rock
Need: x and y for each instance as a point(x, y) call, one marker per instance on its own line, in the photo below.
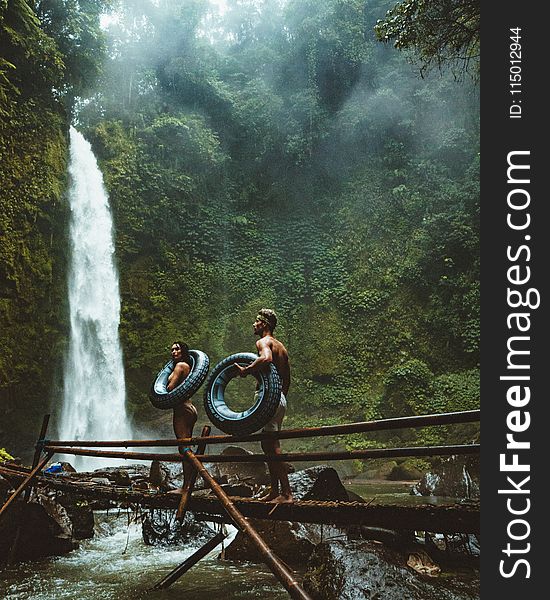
point(116, 475)
point(80, 514)
point(405, 471)
point(294, 542)
point(169, 476)
point(158, 475)
point(366, 570)
point(455, 550)
point(253, 473)
point(100, 480)
point(390, 537)
point(457, 477)
point(160, 527)
point(40, 533)
point(317, 483)
point(166, 476)
point(241, 489)
point(51, 523)
point(73, 515)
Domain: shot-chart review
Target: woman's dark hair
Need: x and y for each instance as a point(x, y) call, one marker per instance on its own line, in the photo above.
point(184, 352)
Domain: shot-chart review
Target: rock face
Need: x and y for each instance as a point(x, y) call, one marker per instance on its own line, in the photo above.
point(457, 477)
point(41, 534)
point(160, 527)
point(340, 570)
point(238, 479)
point(317, 483)
point(49, 525)
point(294, 542)
point(251, 473)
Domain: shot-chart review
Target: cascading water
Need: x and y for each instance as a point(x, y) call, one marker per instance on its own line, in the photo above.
point(94, 389)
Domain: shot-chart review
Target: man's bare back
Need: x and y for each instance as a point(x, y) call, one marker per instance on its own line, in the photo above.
point(276, 352)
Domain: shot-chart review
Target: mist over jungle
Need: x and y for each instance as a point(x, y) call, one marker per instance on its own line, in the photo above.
point(257, 153)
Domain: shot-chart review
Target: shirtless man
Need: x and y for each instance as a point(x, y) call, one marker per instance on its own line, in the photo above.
point(185, 413)
point(271, 350)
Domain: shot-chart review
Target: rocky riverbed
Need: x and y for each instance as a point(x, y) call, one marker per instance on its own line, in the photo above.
point(334, 562)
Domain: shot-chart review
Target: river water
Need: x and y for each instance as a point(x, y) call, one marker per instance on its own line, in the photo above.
point(116, 565)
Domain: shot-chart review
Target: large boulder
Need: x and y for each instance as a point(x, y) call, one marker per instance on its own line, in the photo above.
point(317, 483)
point(292, 541)
point(160, 527)
point(456, 477)
point(168, 476)
point(455, 549)
point(123, 476)
point(353, 570)
point(165, 475)
point(49, 525)
point(74, 517)
point(41, 530)
point(252, 473)
point(80, 514)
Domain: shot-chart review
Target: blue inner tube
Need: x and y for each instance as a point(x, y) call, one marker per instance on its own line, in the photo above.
point(259, 414)
point(161, 398)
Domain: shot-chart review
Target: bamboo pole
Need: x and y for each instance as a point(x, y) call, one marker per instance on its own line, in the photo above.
point(189, 562)
point(289, 457)
point(28, 491)
point(30, 477)
point(284, 575)
point(468, 416)
point(190, 483)
point(40, 441)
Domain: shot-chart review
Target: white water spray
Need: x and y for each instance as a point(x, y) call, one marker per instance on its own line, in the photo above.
point(94, 388)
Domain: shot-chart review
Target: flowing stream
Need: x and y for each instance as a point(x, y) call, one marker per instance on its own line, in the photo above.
point(116, 564)
point(94, 388)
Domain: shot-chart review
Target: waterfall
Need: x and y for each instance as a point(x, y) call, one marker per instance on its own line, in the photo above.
point(94, 388)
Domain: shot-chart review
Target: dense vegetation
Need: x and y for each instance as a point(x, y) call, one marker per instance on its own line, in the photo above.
point(282, 157)
point(37, 79)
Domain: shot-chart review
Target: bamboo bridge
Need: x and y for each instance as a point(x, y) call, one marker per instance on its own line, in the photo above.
point(455, 518)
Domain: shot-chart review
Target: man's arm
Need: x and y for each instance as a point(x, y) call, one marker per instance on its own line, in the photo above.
point(180, 372)
point(265, 357)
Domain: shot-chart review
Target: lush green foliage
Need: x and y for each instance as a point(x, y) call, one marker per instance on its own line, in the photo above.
point(283, 157)
point(440, 33)
point(33, 216)
point(292, 162)
point(5, 455)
